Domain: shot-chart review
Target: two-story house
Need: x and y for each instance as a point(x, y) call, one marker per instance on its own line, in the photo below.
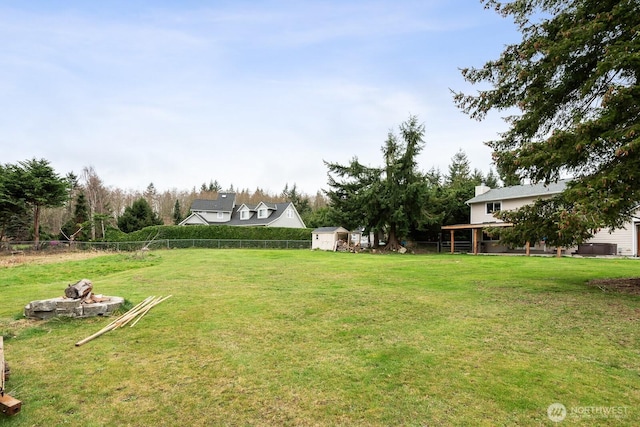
point(487, 201)
point(224, 211)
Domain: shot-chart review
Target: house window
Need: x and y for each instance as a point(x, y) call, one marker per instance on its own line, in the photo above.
point(220, 215)
point(244, 215)
point(493, 207)
point(262, 213)
point(289, 213)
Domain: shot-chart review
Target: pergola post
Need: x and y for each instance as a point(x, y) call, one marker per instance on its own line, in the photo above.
point(452, 241)
point(527, 249)
point(474, 235)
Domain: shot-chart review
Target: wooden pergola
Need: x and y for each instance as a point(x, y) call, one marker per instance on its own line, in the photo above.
point(476, 229)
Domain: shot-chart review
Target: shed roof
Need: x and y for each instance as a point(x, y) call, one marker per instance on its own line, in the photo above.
point(330, 230)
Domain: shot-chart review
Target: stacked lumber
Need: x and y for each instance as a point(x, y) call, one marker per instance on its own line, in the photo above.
point(136, 312)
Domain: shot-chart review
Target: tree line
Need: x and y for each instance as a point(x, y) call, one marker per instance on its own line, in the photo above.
point(37, 202)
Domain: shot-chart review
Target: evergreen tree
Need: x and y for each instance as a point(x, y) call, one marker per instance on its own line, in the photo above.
point(39, 186)
point(459, 187)
point(459, 169)
point(12, 209)
point(300, 201)
point(177, 214)
point(575, 79)
point(79, 226)
point(394, 197)
point(319, 217)
point(491, 179)
point(138, 216)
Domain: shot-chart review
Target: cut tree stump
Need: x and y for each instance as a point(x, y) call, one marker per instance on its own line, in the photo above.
point(79, 290)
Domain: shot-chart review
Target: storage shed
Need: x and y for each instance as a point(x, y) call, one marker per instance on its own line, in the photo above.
point(325, 238)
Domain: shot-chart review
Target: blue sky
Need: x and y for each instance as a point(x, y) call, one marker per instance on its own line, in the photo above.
point(254, 94)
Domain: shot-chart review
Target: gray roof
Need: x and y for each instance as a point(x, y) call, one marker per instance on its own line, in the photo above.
point(520, 191)
point(270, 205)
point(328, 229)
point(251, 207)
point(224, 203)
point(277, 208)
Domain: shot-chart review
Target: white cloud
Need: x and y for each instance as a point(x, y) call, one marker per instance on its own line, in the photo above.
point(251, 94)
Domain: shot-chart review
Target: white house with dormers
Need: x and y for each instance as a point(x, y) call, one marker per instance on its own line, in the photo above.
point(224, 211)
point(487, 201)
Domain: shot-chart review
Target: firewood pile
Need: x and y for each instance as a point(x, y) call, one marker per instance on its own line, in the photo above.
point(345, 246)
point(342, 245)
point(83, 290)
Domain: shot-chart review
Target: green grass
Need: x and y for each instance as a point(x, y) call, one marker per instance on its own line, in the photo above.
point(268, 337)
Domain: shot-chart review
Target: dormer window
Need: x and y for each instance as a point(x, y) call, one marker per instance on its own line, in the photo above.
point(262, 213)
point(493, 207)
point(244, 214)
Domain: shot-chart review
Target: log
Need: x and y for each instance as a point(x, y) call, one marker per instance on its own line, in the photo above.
point(79, 290)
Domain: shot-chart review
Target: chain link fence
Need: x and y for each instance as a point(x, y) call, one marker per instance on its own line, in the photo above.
point(61, 246)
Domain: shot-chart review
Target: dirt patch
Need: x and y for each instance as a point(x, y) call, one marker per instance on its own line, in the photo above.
point(12, 328)
point(625, 286)
point(12, 260)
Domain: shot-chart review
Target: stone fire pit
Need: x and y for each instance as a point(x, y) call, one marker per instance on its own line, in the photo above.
point(79, 301)
point(67, 307)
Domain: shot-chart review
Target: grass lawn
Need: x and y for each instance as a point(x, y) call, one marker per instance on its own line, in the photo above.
point(282, 337)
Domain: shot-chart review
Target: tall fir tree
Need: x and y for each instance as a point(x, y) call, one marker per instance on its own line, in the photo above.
point(177, 214)
point(573, 83)
point(394, 197)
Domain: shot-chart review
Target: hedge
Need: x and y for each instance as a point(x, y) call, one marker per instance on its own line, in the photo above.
point(210, 232)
